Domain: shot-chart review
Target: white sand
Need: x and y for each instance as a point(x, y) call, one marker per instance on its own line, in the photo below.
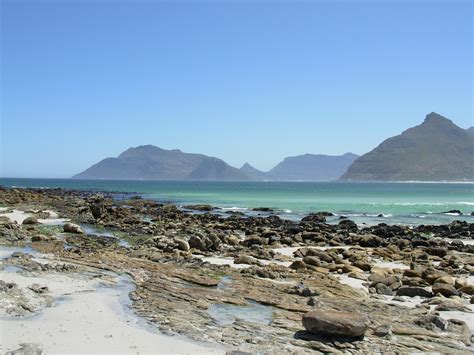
point(54, 221)
point(464, 316)
point(19, 216)
point(87, 318)
point(355, 283)
point(409, 302)
point(390, 265)
point(288, 251)
point(92, 322)
point(221, 260)
point(278, 262)
point(16, 216)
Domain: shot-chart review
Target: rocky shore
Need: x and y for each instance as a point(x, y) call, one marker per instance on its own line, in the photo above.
point(234, 283)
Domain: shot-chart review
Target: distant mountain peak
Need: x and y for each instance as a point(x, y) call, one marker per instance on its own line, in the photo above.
point(247, 166)
point(148, 162)
point(436, 118)
point(436, 150)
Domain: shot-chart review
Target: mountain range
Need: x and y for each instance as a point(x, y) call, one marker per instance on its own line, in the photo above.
point(436, 150)
point(148, 162)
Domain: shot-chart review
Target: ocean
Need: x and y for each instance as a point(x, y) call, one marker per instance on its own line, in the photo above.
point(370, 203)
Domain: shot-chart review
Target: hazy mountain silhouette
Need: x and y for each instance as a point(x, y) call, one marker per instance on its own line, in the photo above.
point(312, 167)
point(436, 150)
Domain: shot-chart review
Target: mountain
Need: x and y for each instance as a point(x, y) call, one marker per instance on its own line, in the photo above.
point(312, 167)
point(470, 130)
point(253, 173)
point(148, 162)
point(436, 150)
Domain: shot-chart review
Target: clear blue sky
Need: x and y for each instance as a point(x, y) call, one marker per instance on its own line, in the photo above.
point(241, 80)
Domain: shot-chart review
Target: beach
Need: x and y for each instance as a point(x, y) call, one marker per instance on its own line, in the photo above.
point(87, 272)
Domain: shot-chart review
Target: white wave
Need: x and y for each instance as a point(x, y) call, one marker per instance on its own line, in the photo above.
point(234, 208)
point(288, 211)
point(465, 203)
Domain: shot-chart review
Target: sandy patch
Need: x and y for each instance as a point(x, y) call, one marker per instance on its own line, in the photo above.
point(16, 216)
point(390, 265)
point(355, 283)
point(220, 260)
point(288, 251)
point(90, 315)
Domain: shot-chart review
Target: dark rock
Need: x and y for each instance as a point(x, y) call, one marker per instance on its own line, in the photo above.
point(432, 322)
point(445, 289)
point(383, 331)
point(413, 292)
point(297, 265)
point(335, 323)
point(441, 252)
point(30, 220)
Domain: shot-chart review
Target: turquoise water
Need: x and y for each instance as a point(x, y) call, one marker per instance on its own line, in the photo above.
point(411, 203)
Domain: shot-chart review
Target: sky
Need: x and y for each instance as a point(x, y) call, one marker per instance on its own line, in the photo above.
point(246, 81)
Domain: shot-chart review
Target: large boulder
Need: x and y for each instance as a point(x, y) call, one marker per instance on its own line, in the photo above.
point(30, 220)
point(98, 210)
point(72, 228)
point(335, 323)
point(315, 218)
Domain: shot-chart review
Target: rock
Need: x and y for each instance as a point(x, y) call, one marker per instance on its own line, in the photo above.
point(441, 252)
point(196, 243)
point(26, 349)
point(39, 289)
point(382, 289)
point(182, 245)
point(262, 209)
point(387, 281)
point(72, 228)
point(307, 292)
point(320, 254)
point(297, 265)
point(245, 259)
point(39, 238)
point(383, 331)
point(199, 207)
point(347, 224)
point(312, 260)
point(312, 302)
point(98, 210)
point(446, 279)
point(451, 305)
point(468, 289)
point(413, 292)
point(314, 218)
point(461, 282)
point(252, 240)
point(432, 322)
point(453, 212)
point(370, 241)
point(445, 289)
point(412, 273)
point(335, 323)
point(30, 220)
